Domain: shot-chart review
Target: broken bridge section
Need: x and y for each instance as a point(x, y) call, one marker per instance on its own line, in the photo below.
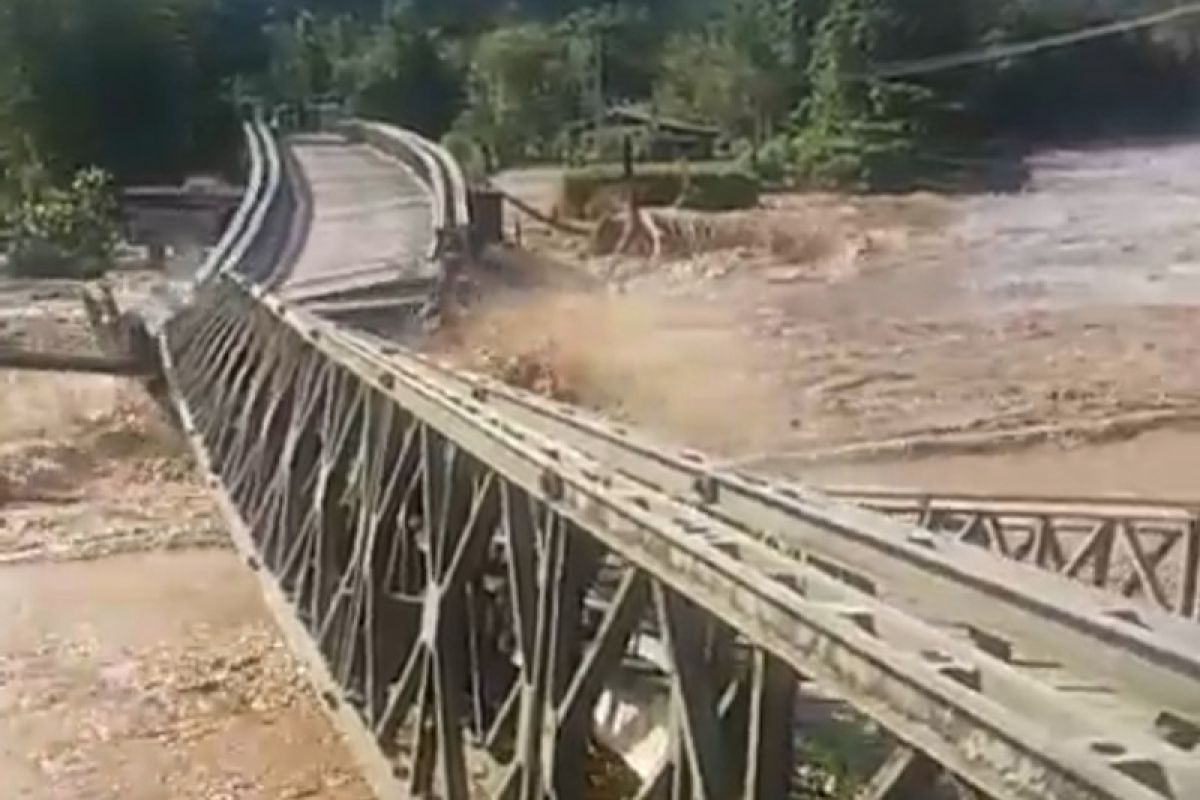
point(473, 573)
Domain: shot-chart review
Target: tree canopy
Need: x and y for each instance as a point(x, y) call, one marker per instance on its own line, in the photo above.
point(145, 88)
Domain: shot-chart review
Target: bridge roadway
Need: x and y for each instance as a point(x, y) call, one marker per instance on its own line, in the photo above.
point(470, 570)
point(371, 224)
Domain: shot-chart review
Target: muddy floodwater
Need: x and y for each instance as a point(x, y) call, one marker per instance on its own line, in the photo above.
point(1091, 277)
point(1117, 225)
point(821, 332)
point(137, 658)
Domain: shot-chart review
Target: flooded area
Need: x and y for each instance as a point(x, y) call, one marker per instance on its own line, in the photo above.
point(827, 336)
point(137, 658)
point(1113, 225)
point(135, 677)
point(1043, 342)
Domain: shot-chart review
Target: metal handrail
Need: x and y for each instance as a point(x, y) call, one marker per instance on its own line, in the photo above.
point(268, 192)
point(459, 198)
point(219, 255)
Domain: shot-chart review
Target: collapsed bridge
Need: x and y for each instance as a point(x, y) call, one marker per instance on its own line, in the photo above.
point(476, 575)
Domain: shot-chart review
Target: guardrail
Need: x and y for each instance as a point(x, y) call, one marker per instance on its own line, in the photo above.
point(1134, 548)
point(256, 199)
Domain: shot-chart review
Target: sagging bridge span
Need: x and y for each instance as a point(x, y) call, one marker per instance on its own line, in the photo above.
point(477, 576)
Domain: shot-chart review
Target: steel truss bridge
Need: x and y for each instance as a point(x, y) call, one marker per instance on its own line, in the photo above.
point(473, 574)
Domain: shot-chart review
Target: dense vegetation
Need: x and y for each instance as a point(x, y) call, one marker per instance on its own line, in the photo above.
point(145, 89)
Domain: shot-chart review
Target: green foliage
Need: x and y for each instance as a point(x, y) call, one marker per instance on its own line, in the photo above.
point(469, 154)
point(613, 52)
point(774, 162)
point(856, 131)
point(1138, 83)
point(786, 76)
point(744, 71)
point(704, 76)
point(135, 86)
point(144, 88)
point(304, 52)
point(520, 93)
point(839, 756)
point(714, 186)
point(531, 81)
point(65, 232)
point(402, 76)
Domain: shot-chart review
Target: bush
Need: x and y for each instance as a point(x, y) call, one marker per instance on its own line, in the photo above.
point(716, 186)
point(861, 156)
point(469, 154)
point(775, 161)
point(65, 233)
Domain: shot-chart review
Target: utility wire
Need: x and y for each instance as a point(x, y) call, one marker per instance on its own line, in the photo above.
point(921, 66)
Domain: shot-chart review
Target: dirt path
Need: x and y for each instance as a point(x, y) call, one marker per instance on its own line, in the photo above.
point(137, 660)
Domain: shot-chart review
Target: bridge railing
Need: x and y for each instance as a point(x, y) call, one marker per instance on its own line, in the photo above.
point(469, 587)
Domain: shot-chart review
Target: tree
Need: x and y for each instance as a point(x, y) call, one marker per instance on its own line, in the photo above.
point(131, 85)
point(303, 59)
point(403, 76)
point(612, 52)
point(68, 232)
point(857, 130)
point(703, 76)
point(521, 92)
point(745, 70)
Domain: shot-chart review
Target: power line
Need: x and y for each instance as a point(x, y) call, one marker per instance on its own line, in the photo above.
point(921, 66)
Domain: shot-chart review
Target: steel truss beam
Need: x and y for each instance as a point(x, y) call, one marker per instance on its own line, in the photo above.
point(467, 589)
point(1019, 614)
point(1133, 548)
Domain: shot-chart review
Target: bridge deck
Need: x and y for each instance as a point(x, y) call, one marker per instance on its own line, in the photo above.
point(372, 220)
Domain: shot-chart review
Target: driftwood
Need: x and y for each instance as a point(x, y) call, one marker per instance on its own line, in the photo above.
point(559, 225)
point(67, 362)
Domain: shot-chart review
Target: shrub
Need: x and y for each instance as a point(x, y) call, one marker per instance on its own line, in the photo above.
point(715, 186)
point(67, 233)
point(862, 156)
point(775, 161)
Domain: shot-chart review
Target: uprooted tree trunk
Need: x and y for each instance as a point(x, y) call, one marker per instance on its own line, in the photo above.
point(70, 362)
point(631, 231)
